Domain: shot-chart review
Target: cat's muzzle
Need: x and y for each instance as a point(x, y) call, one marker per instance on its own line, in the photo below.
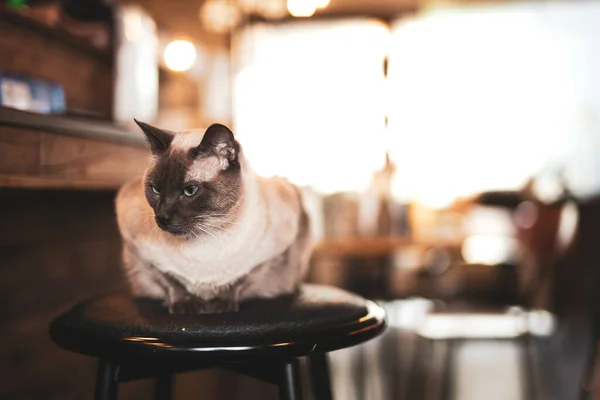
point(167, 225)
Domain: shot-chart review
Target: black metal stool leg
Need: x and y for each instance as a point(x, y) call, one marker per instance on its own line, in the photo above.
point(289, 385)
point(107, 380)
point(319, 374)
point(163, 387)
point(529, 388)
point(587, 385)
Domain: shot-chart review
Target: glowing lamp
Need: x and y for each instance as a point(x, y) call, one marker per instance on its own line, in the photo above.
point(180, 55)
point(301, 8)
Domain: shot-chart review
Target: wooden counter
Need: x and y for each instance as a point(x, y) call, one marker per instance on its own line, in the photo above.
point(42, 151)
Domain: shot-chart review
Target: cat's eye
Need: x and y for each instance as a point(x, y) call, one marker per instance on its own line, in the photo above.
point(190, 190)
point(155, 189)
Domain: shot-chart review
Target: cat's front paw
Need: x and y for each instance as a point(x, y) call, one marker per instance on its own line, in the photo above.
point(194, 305)
point(216, 306)
point(188, 305)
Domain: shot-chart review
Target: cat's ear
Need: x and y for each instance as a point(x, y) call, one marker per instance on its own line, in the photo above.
point(158, 139)
point(219, 140)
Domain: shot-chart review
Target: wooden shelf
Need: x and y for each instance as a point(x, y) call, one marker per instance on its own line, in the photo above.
point(42, 182)
point(71, 126)
point(46, 152)
point(55, 34)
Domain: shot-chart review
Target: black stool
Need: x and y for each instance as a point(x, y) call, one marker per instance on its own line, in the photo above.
point(137, 339)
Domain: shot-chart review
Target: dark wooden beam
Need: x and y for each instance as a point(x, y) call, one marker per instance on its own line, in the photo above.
point(382, 16)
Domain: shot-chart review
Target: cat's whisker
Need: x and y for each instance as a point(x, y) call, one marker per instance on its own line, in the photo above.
point(194, 234)
point(213, 215)
point(203, 229)
point(213, 233)
point(211, 221)
point(214, 222)
point(203, 217)
point(217, 227)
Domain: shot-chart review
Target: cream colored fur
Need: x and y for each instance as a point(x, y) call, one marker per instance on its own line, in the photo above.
point(263, 250)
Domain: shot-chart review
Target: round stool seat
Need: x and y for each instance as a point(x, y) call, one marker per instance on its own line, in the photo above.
point(317, 317)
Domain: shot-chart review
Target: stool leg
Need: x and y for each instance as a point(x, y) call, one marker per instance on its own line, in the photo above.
point(289, 385)
point(529, 387)
point(163, 387)
point(319, 373)
point(106, 380)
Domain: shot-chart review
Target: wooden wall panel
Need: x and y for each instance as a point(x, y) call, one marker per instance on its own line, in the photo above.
point(85, 159)
point(36, 159)
point(19, 151)
point(58, 247)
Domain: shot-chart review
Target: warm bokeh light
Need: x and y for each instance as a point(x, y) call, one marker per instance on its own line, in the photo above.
point(457, 326)
point(488, 249)
point(273, 8)
point(180, 55)
point(567, 226)
point(541, 323)
point(219, 16)
point(301, 8)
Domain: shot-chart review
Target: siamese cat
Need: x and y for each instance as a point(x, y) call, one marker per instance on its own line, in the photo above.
point(203, 232)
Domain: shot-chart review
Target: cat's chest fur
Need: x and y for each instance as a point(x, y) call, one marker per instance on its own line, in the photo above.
point(264, 231)
point(199, 264)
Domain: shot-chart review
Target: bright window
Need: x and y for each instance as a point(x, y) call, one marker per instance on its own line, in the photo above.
point(484, 97)
point(477, 98)
point(309, 101)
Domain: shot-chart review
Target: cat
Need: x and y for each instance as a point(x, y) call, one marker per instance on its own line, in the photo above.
point(203, 232)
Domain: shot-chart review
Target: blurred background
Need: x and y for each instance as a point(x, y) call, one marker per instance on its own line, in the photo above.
point(449, 152)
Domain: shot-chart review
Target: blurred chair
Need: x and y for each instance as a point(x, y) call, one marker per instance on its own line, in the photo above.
point(498, 306)
point(575, 295)
point(448, 326)
point(558, 273)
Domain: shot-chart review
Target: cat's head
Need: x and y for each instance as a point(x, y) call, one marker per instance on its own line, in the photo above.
point(194, 181)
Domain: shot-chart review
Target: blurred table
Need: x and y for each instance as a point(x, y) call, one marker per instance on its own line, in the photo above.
point(369, 265)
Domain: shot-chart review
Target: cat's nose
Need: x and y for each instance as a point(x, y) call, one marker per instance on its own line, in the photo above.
point(163, 220)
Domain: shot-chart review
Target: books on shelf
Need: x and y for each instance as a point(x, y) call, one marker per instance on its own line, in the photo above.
point(31, 94)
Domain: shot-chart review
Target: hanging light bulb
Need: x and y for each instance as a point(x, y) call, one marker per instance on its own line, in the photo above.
point(273, 8)
point(249, 6)
point(321, 3)
point(180, 55)
point(219, 16)
point(301, 8)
